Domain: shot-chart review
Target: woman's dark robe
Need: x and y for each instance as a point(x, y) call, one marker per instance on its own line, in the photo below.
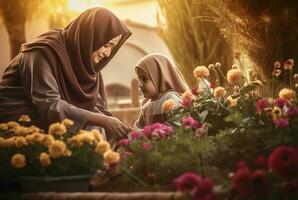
point(52, 78)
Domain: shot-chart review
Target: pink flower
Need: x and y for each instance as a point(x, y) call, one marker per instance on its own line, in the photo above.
point(261, 104)
point(123, 143)
point(241, 181)
point(189, 122)
point(187, 181)
point(147, 146)
point(280, 102)
point(204, 190)
point(284, 160)
point(135, 135)
point(281, 123)
point(161, 130)
point(195, 90)
point(186, 102)
point(292, 111)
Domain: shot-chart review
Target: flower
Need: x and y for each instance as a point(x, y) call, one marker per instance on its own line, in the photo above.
point(261, 162)
point(12, 124)
point(189, 122)
point(186, 103)
point(57, 149)
point(281, 123)
point(123, 143)
point(280, 102)
point(146, 146)
point(18, 160)
point(102, 147)
point(20, 141)
point(284, 160)
point(211, 67)
point(3, 127)
point(292, 111)
point(241, 181)
point(287, 94)
point(217, 64)
point(135, 135)
point(259, 182)
point(111, 157)
point(200, 72)
point(277, 64)
point(204, 190)
point(261, 104)
point(47, 140)
point(97, 135)
point(188, 181)
point(289, 64)
point(232, 102)
point(20, 130)
point(276, 113)
point(234, 75)
point(219, 92)
point(24, 118)
point(187, 95)
point(158, 129)
point(168, 105)
point(44, 159)
point(67, 123)
point(57, 129)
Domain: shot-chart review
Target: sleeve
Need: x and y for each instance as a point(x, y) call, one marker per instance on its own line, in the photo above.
point(42, 89)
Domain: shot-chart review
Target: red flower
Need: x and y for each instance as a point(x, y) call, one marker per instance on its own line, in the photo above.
point(261, 162)
point(284, 160)
point(259, 182)
point(213, 85)
point(204, 190)
point(187, 181)
point(241, 181)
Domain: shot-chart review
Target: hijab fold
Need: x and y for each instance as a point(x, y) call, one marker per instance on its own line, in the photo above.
point(69, 53)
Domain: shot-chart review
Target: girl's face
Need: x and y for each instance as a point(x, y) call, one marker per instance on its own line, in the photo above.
point(105, 50)
point(146, 85)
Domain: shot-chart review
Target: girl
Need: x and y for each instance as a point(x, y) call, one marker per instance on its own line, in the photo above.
point(159, 80)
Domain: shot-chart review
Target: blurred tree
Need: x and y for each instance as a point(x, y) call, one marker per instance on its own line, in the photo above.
point(15, 14)
point(192, 38)
point(267, 30)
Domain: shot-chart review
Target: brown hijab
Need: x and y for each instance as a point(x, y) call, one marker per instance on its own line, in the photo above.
point(164, 75)
point(69, 54)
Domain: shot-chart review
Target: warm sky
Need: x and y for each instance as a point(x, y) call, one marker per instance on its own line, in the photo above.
point(144, 12)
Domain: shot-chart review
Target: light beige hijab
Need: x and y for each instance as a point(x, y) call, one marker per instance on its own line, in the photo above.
point(164, 75)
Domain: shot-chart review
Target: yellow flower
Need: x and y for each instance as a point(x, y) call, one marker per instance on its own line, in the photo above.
point(287, 94)
point(9, 142)
point(67, 123)
point(187, 95)
point(33, 128)
point(12, 124)
point(168, 105)
point(102, 147)
point(44, 159)
point(57, 129)
point(3, 127)
point(219, 92)
point(47, 140)
point(97, 135)
point(24, 118)
point(20, 130)
point(232, 102)
point(30, 138)
point(38, 137)
point(200, 72)
point(75, 141)
point(18, 160)
point(57, 149)
point(86, 138)
point(20, 141)
point(234, 75)
point(111, 157)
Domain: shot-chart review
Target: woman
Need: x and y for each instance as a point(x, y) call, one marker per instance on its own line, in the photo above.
point(57, 75)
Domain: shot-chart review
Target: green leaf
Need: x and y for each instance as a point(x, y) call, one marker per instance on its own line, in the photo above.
point(247, 89)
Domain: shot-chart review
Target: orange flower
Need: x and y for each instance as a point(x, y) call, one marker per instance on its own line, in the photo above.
point(67, 123)
point(234, 75)
point(20, 141)
point(200, 72)
point(44, 159)
point(57, 129)
point(18, 160)
point(168, 105)
point(57, 149)
point(219, 92)
point(287, 94)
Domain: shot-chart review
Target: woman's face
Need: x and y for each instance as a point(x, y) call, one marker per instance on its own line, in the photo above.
point(105, 50)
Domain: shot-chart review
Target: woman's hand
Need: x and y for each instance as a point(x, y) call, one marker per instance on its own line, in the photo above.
point(115, 127)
